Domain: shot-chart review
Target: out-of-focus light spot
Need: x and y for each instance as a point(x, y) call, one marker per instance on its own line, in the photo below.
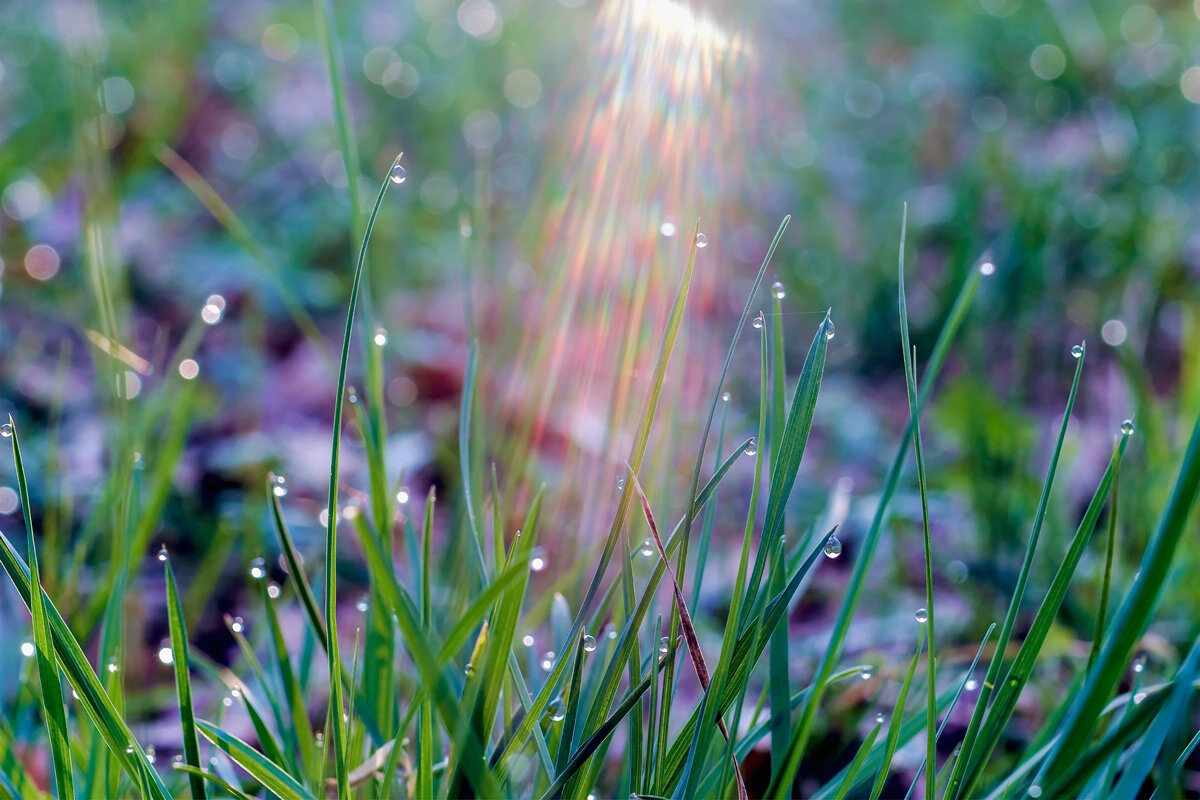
point(481, 19)
point(1113, 332)
point(116, 94)
point(280, 42)
point(165, 655)
point(1141, 25)
point(213, 310)
point(376, 62)
point(401, 79)
point(667, 229)
point(864, 99)
point(233, 71)
point(189, 369)
point(1189, 82)
point(1052, 103)
point(482, 130)
point(401, 391)
point(989, 114)
point(797, 148)
point(27, 649)
point(41, 262)
point(132, 384)
point(8, 500)
point(1047, 61)
point(522, 88)
point(438, 193)
point(1000, 8)
point(239, 141)
point(333, 170)
point(23, 199)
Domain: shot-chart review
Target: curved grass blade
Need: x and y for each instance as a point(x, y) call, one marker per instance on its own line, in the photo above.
point(183, 681)
point(894, 726)
point(296, 569)
point(1170, 779)
point(214, 779)
point(1106, 583)
point(53, 706)
point(1018, 595)
point(1135, 612)
point(870, 542)
point(274, 777)
point(338, 728)
point(1008, 690)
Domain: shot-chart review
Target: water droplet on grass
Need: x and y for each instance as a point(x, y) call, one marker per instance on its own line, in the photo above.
point(258, 568)
point(162, 553)
point(6, 430)
point(362, 605)
point(1127, 427)
point(548, 660)
point(777, 290)
point(398, 174)
point(1139, 663)
point(380, 337)
point(833, 548)
point(922, 615)
point(830, 330)
point(725, 397)
point(589, 643)
point(701, 241)
point(751, 448)
point(866, 673)
point(758, 321)
point(647, 548)
point(279, 485)
point(664, 645)
point(237, 625)
point(879, 718)
point(1035, 791)
point(557, 710)
point(1077, 351)
point(111, 666)
point(987, 268)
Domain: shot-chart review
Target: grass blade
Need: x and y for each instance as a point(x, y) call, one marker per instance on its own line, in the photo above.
point(856, 765)
point(53, 707)
point(893, 735)
point(1134, 614)
point(183, 680)
point(274, 777)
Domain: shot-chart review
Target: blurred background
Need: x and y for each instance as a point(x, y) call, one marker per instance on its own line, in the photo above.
point(176, 249)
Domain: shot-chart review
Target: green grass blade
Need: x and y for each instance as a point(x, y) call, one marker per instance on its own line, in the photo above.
point(1170, 781)
point(464, 456)
point(183, 680)
point(214, 779)
point(296, 568)
point(1106, 582)
point(856, 765)
point(274, 777)
point(53, 707)
point(870, 543)
point(1135, 612)
point(338, 728)
point(1018, 595)
point(897, 720)
point(1008, 690)
point(1147, 750)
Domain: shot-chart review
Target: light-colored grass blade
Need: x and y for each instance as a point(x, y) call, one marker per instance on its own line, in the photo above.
point(183, 681)
point(896, 722)
point(270, 774)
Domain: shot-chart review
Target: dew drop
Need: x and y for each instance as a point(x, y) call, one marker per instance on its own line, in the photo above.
point(166, 655)
point(537, 562)
point(1139, 697)
point(879, 718)
point(647, 548)
point(557, 710)
point(398, 174)
point(151, 754)
point(176, 760)
point(402, 495)
point(725, 397)
point(1127, 427)
point(830, 330)
point(751, 448)
point(833, 549)
point(612, 633)
point(589, 643)
point(129, 750)
point(258, 568)
point(701, 241)
point(758, 321)
point(362, 605)
point(111, 666)
point(1077, 351)
point(866, 673)
point(27, 649)
point(777, 290)
point(1035, 791)
point(548, 660)
point(162, 553)
point(1139, 664)
point(279, 486)
point(527, 640)
point(237, 625)
point(987, 268)
point(380, 337)
point(664, 645)
point(620, 484)
point(273, 591)
point(972, 685)
point(922, 615)
point(6, 430)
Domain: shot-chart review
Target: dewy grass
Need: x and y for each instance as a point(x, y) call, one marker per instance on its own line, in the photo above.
point(444, 699)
